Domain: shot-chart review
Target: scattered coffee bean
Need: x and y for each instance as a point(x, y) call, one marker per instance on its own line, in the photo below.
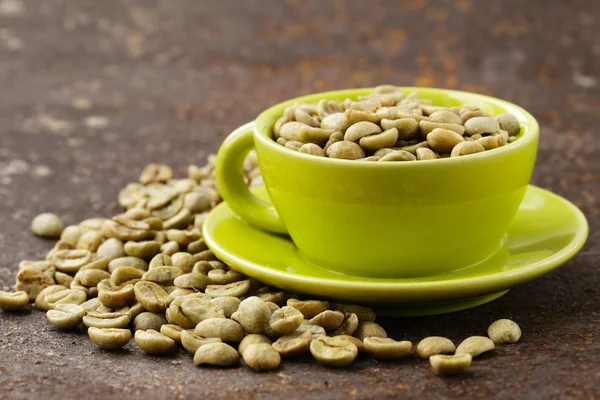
point(153, 342)
point(218, 354)
point(387, 349)
point(109, 338)
point(504, 331)
point(433, 345)
point(450, 365)
point(333, 351)
point(475, 345)
point(13, 301)
point(66, 316)
point(47, 225)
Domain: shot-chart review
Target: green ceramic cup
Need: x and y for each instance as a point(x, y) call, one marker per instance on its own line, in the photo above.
point(396, 219)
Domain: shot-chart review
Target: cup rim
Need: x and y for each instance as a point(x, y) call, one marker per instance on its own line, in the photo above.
point(530, 134)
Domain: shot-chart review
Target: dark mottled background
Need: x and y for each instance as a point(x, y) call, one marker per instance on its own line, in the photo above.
point(92, 90)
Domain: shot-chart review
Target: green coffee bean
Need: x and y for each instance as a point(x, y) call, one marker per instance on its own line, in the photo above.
point(387, 349)
point(361, 129)
point(193, 280)
point(192, 342)
point(47, 225)
point(198, 201)
point(66, 316)
point(337, 122)
point(333, 351)
point(171, 331)
point(169, 248)
point(166, 209)
point(488, 142)
point(272, 297)
point(475, 345)
point(398, 155)
point(125, 275)
point(106, 320)
point(349, 325)
point(297, 131)
point(450, 365)
point(328, 319)
point(426, 154)
point(235, 289)
point(63, 279)
point(443, 140)
point(327, 107)
point(254, 315)
point(148, 320)
point(509, 123)
point(90, 240)
point(134, 262)
point(445, 117)
point(261, 357)
point(71, 234)
point(228, 304)
point(91, 277)
point(163, 275)
point(151, 296)
point(153, 342)
point(375, 142)
point(312, 149)
point(179, 221)
point(308, 308)
point(501, 137)
point(32, 280)
point(222, 277)
point(109, 338)
point(286, 320)
point(277, 127)
point(305, 118)
point(126, 229)
point(355, 341)
point(504, 331)
point(427, 127)
point(250, 339)
point(156, 173)
point(98, 264)
point(145, 250)
point(160, 260)
point(90, 305)
point(175, 314)
point(197, 246)
point(198, 310)
point(13, 301)
point(357, 116)
point(121, 297)
point(225, 329)
point(465, 148)
point(433, 345)
point(481, 125)
point(316, 331)
point(406, 127)
point(183, 237)
point(183, 261)
point(70, 261)
point(294, 145)
point(293, 344)
point(69, 296)
point(219, 354)
point(368, 329)
point(179, 292)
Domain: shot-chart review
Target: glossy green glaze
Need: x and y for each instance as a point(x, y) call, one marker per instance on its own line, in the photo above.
point(546, 232)
point(408, 219)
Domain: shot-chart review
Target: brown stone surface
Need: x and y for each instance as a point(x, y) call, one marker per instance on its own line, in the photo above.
point(91, 91)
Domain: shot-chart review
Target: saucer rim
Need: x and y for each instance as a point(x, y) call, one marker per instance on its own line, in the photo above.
point(478, 285)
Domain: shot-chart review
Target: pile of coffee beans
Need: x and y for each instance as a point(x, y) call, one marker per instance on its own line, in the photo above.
point(389, 126)
point(148, 271)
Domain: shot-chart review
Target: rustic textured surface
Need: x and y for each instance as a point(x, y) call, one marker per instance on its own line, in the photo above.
point(93, 90)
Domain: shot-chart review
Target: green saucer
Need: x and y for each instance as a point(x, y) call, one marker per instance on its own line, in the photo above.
point(547, 231)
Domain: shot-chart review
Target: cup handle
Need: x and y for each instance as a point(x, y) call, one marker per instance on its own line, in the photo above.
point(233, 189)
